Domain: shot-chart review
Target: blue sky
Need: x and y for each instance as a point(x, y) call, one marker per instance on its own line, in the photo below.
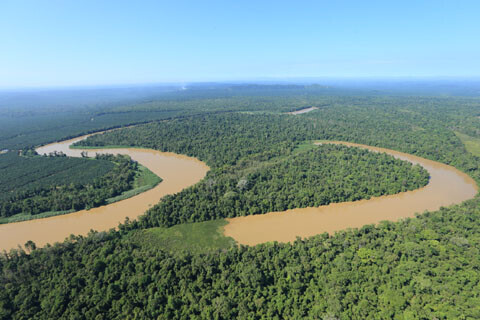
point(68, 43)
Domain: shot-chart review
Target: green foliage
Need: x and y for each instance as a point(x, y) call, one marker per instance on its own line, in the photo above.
point(211, 138)
point(314, 177)
point(60, 188)
point(145, 177)
point(409, 125)
point(471, 144)
point(198, 237)
point(382, 272)
point(20, 174)
point(32, 119)
point(25, 216)
point(144, 180)
point(422, 268)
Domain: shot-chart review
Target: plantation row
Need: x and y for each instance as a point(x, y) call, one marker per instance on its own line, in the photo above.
point(56, 184)
point(21, 174)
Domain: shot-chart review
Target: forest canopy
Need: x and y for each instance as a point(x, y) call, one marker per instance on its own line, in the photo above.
point(420, 268)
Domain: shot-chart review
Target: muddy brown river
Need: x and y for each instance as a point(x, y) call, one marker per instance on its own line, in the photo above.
point(177, 172)
point(447, 186)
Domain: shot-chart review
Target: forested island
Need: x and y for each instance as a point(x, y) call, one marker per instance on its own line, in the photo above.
point(261, 160)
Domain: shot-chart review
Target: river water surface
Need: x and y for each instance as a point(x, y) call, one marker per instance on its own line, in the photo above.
point(303, 110)
point(447, 186)
point(177, 172)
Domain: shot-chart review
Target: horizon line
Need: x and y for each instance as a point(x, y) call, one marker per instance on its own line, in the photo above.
point(260, 80)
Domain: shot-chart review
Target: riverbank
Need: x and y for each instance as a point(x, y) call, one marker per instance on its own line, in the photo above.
point(177, 171)
point(447, 186)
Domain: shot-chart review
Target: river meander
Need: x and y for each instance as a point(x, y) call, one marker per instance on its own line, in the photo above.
point(177, 172)
point(447, 186)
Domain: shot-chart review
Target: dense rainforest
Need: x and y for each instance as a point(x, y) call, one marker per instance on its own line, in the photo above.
point(420, 268)
point(36, 184)
point(423, 268)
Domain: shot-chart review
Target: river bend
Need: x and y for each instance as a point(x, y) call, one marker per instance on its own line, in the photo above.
point(177, 172)
point(447, 186)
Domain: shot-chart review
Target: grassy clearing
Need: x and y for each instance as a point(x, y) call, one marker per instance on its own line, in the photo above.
point(145, 177)
point(305, 146)
point(144, 180)
point(471, 144)
point(197, 237)
point(26, 216)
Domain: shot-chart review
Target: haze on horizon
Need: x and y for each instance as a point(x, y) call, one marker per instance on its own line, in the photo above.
point(88, 43)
